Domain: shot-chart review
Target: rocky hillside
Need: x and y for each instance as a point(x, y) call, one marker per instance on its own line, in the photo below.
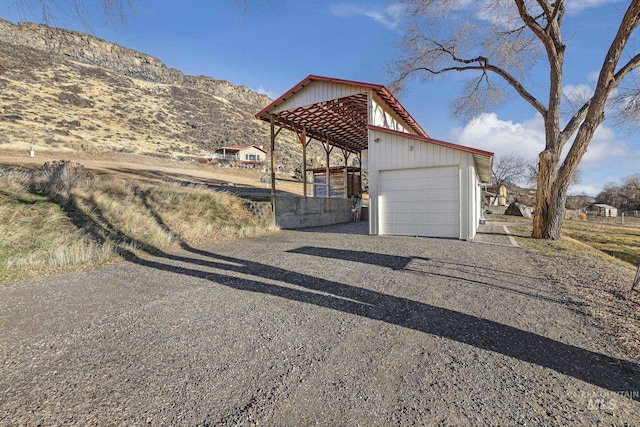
point(68, 90)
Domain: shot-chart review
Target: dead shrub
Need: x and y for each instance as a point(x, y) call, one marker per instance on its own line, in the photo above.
point(58, 178)
point(582, 216)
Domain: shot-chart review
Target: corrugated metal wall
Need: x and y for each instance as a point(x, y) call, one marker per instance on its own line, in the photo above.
point(319, 92)
point(400, 152)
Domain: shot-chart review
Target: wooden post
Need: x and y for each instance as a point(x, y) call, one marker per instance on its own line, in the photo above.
point(328, 178)
point(360, 164)
point(346, 155)
point(273, 168)
point(303, 140)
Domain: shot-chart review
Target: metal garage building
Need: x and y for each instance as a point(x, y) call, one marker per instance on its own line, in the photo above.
point(418, 186)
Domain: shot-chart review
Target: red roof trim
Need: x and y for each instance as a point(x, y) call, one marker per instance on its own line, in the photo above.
point(258, 148)
point(381, 90)
point(432, 141)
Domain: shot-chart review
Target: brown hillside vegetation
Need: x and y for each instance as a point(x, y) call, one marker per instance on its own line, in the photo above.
point(70, 91)
point(61, 215)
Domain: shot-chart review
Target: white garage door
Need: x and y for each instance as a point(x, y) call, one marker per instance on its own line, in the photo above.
point(420, 202)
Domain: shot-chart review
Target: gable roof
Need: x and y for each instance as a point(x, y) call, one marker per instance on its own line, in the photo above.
point(342, 120)
point(339, 112)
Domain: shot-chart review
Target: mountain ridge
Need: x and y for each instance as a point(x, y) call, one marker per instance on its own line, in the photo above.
point(66, 90)
point(95, 51)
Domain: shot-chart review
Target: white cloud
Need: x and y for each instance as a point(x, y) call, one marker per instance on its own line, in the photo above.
point(389, 17)
point(527, 139)
point(269, 93)
point(591, 190)
point(604, 147)
point(607, 157)
point(575, 6)
point(501, 137)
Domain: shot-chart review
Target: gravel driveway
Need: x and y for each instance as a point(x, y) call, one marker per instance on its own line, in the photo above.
point(325, 326)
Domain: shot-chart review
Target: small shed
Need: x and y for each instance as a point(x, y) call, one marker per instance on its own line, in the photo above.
point(340, 179)
point(605, 210)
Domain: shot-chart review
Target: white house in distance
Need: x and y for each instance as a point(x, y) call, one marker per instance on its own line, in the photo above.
point(418, 186)
point(240, 153)
point(605, 210)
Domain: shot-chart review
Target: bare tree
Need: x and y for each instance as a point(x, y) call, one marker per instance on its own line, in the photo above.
point(114, 11)
point(625, 196)
point(509, 170)
point(497, 42)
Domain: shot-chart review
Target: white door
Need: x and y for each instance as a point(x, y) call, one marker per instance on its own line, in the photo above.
point(420, 202)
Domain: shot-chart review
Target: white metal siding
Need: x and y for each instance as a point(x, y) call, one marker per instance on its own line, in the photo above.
point(420, 202)
point(319, 91)
point(394, 152)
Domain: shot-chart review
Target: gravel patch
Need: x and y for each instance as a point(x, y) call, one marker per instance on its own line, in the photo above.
point(325, 326)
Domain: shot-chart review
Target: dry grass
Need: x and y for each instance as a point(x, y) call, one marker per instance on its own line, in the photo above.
point(36, 237)
point(149, 168)
point(613, 243)
point(621, 242)
point(94, 220)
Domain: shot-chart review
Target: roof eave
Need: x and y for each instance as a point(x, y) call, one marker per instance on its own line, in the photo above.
point(483, 159)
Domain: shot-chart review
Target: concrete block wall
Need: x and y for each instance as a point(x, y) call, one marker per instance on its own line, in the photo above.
point(261, 210)
point(300, 212)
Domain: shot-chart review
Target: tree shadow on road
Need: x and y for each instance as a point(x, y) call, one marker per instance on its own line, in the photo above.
point(598, 369)
point(464, 273)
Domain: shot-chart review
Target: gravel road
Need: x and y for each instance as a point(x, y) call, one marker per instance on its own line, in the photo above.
point(326, 326)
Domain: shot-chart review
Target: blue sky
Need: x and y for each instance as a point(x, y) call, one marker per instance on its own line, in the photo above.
point(273, 44)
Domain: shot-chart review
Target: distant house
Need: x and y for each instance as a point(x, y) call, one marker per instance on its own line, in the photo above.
point(605, 210)
point(496, 196)
point(251, 154)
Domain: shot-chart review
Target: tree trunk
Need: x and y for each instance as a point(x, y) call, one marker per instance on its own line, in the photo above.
point(549, 216)
point(550, 200)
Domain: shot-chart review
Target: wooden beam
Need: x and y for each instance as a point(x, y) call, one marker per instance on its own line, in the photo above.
point(346, 155)
point(328, 169)
point(273, 168)
point(303, 140)
point(360, 164)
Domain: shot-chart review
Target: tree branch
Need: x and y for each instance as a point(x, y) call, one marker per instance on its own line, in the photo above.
point(483, 65)
point(530, 22)
point(580, 115)
point(515, 84)
point(546, 9)
point(551, 38)
point(575, 122)
point(626, 69)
